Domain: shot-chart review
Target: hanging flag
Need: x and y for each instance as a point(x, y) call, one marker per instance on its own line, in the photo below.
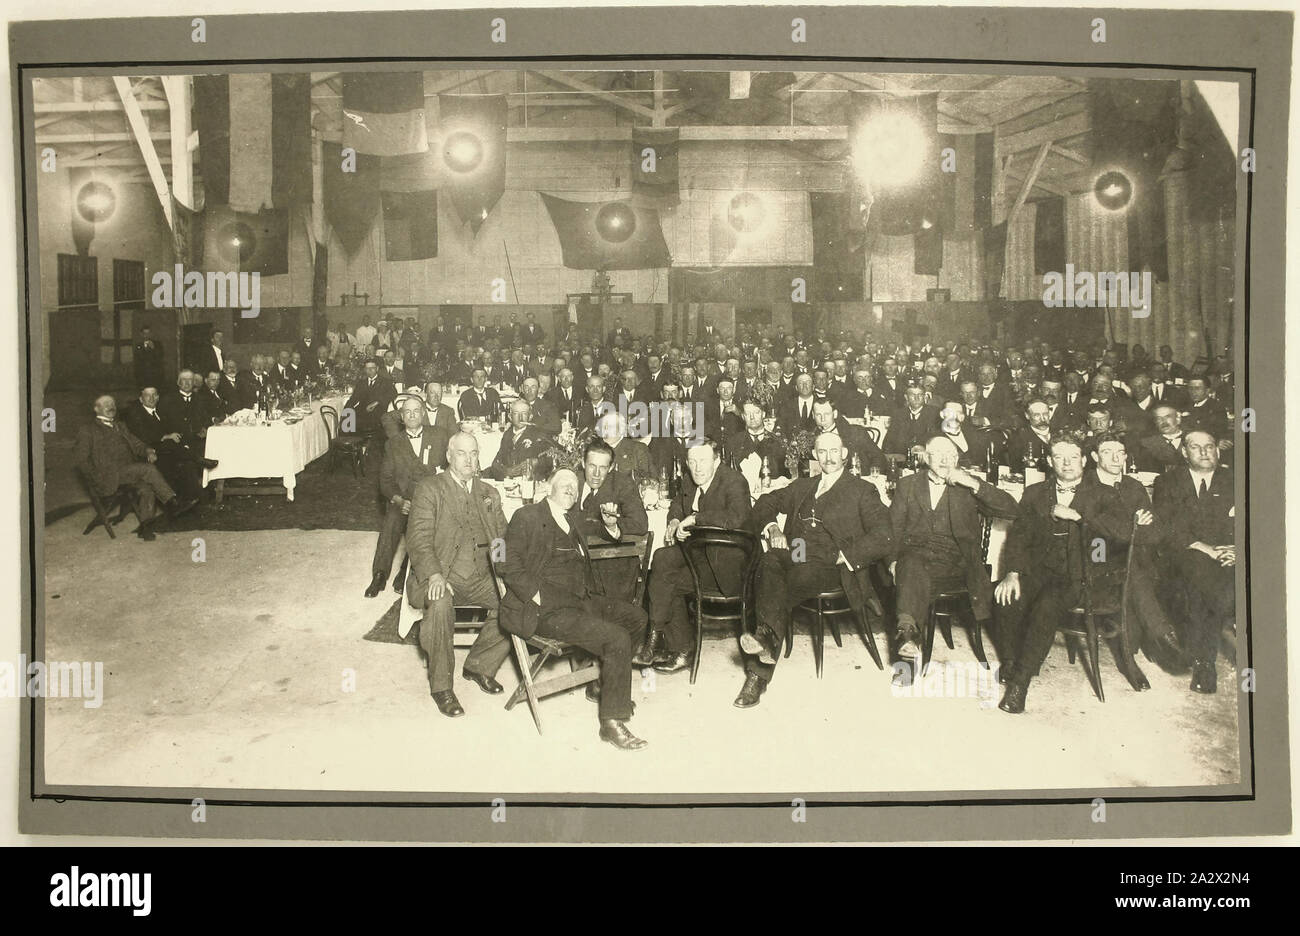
point(610, 235)
point(983, 182)
point(995, 258)
point(383, 113)
point(351, 198)
point(244, 242)
point(1212, 193)
point(894, 144)
point(267, 160)
point(472, 141)
point(1049, 236)
point(839, 262)
point(408, 187)
point(655, 181)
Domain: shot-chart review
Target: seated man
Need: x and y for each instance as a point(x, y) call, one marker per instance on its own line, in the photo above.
point(551, 592)
point(1162, 451)
point(185, 427)
point(711, 495)
point(480, 401)
point(417, 452)
point(454, 519)
point(1195, 504)
point(392, 420)
point(912, 424)
point(855, 438)
point(109, 456)
point(1044, 559)
point(520, 443)
point(369, 400)
point(835, 527)
point(631, 457)
point(609, 507)
point(938, 517)
point(668, 448)
point(755, 439)
point(1029, 444)
point(546, 415)
point(973, 446)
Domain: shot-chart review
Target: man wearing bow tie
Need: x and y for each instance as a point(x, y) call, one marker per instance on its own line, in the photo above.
point(480, 401)
point(1196, 504)
point(416, 452)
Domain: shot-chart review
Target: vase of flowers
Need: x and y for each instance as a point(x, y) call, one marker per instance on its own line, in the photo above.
point(798, 450)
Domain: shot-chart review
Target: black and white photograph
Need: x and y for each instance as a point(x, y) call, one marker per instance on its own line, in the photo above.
point(635, 429)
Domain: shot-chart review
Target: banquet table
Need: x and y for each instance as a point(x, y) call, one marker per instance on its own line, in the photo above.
point(279, 450)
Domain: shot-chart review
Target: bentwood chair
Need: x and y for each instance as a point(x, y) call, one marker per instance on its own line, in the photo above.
point(1091, 622)
point(827, 608)
point(350, 445)
point(949, 600)
point(710, 604)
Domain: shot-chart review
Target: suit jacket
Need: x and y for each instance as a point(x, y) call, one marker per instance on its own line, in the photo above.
point(395, 376)
point(308, 352)
point(205, 361)
point(978, 444)
point(531, 334)
point(434, 539)
point(471, 408)
point(853, 403)
point(771, 447)
point(790, 419)
point(1212, 416)
point(182, 417)
point(726, 504)
point(530, 444)
point(247, 385)
point(1108, 513)
point(1024, 447)
point(1033, 542)
point(363, 394)
point(619, 488)
point(232, 393)
point(567, 410)
point(401, 469)
point(588, 413)
point(531, 563)
point(148, 429)
point(546, 416)
point(858, 441)
point(1190, 518)
point(964, 513)
point(287, 377)
point(1155, 453)
point(889, 398)
point(101, 452)
point(852, 514)
point(906, 431)
point(212, 407)
point(719, 425)
point(632, 459)
point(999, 404)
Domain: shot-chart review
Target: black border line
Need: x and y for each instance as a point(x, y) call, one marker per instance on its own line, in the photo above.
point(1244, 313)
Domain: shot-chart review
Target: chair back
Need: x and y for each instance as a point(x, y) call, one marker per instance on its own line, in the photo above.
point(630, 547)
point(330, 416)
point(873, 433)
point(706, 538)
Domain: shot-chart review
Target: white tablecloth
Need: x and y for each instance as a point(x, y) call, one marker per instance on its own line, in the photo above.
point(279, 450)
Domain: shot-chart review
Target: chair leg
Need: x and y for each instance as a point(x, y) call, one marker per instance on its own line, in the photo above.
point(521, 657)
point(868, 638)
point(1069, 648)
point(927, 641)
point(834, 621)
point(818, 636)
point(977, 641)
point(1094, 654)
point(789, 638)
point(945, 627)
point(699, 639)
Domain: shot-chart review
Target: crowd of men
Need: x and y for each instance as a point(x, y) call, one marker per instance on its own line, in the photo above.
point(1087, 418)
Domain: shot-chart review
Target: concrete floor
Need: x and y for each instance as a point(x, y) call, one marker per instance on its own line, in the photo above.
point(228, 674)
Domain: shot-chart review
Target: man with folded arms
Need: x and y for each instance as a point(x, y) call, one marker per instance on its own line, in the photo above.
point(835, 527)
point(551, 592)
point(414, 453)
point(711, 495)
point(938, 517)
point(1195, 503)
point(454, 520)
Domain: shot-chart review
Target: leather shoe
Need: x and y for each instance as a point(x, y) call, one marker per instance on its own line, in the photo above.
point(762, 644)
point(1013, 700)
point(616, 733)
point(448, 704)
point(208, 463)
point(399, 582)
point(651, 650)
point(907, 642)
point(1205, 677)
point(145, 531)
point(750, 692)
point(484, 682)
point(674, 663)
point(376, 585)
point(1137, 679)
point(177, 506)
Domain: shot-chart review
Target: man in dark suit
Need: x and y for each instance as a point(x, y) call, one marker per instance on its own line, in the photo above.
point(1196, 504)
point(185, 429)
point(938, 517)
point(722, 417)
point(212, 356)
point(835, 527)
point(546, 415)
point(755, 439)
point(631, 456)
point(855, 438)
point(229, 387)
point(147, 358)
point(566, 398)
point(995, 398)
point(1029, 445)
point(913, 424)
point(211, 404)
point(1205, 412)
point(1174, 370)
point(795, 412)
point(889, 387)
point(1045, 559)
point(1162, 450)
point(479, 401)
point(531, 333)
point(609, 501)
point(710, 495)
point(109, 456)
point(306, 348)
point(657, 376)
point(370, 400)
point(286, 376)
point(254, 383)
point(416, 452)
point(551, 591)
point(181, 465)
point(973, 445)
point(520, 442)
point(595, 406)
point(454, 520)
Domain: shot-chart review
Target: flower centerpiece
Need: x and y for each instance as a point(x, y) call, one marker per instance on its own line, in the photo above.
point(564, 452)
point(798, 449)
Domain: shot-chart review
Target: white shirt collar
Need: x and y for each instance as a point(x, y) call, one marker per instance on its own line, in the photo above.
point(560, 519)
point(1197, 476)
point(827, 480)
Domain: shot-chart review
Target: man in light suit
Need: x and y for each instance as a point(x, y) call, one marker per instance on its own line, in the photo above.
point(454, 520)
point(417, 451)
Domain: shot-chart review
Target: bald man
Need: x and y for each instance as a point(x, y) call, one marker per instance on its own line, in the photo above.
point(109, 456)
point(454, 520)
point(552, 592)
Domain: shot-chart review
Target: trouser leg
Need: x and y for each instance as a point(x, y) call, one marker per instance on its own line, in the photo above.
point(912, 577)
point(1211, 599)
point(389, 534)
point(604, 628)
point(491, 646)
point(670, 583)
point(153, 488)
point(1043, 605)
point(791, 584)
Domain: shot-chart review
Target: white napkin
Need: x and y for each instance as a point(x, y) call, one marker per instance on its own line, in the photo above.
point(751, 466)
point(406, 616)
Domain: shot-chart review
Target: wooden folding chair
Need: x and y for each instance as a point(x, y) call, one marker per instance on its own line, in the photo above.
point(123, 500)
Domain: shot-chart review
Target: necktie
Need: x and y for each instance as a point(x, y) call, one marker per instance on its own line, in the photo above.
point(1204, 489)
point(805, 410)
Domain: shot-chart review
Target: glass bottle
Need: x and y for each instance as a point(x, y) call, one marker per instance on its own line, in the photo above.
point(855, 466)
point(765, 475)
